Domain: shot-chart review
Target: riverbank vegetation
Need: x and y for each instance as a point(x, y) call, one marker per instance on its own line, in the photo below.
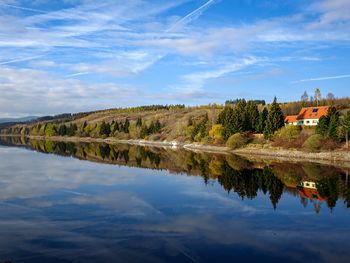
point(235, 124)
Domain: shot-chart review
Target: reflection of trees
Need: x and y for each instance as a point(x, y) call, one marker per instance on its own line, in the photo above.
point(235, 174)
point(329, 187)
point(247, 183)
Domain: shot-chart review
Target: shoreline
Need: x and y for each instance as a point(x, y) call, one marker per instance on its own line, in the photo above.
point(337, 157)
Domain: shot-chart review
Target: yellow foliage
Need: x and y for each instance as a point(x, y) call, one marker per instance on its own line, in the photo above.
point(216, 131)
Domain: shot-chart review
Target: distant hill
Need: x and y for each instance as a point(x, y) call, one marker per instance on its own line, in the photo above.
point(15, 120)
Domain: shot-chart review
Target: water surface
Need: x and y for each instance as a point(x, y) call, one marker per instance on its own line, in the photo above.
point(65, 202)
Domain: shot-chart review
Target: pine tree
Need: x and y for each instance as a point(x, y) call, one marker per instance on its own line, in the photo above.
point(241, 122)
point(328, 125)
point(262, 120)
point(62, 130)
point(275, 120)
point(158, 126)
point(252, 113)
point(322, 126)
point(332, 132)
point(139, 122)
point(126, 126)
point(227, 122)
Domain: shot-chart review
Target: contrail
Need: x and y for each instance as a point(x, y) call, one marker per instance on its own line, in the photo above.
point(24, 8)
point(191, 16)
point(76, 74)
point(323, 78)
point(20, 60)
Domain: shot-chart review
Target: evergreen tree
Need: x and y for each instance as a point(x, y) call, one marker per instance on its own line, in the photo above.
point(332, 132)
point(62, 130)
point(139, 122)
point(158, 126)
point(203, 126)
point(241, 122)
point(71, 129)
point(322, 126)
point(328, 125)
point(262, 120)
point(252, 113)
point(105, 129)
point(113, 128)
point(275, 120)
point(126, 125)
point(347, 122)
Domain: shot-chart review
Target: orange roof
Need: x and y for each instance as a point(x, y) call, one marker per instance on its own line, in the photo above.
point(290, 119)
point(311, 194)
point(312, 112)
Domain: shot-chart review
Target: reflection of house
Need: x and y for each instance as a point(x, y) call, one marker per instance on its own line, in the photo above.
point(310, 193)
point(308, 116)
point(308, 190)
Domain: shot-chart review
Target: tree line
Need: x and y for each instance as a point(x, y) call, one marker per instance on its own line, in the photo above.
point(245, 117)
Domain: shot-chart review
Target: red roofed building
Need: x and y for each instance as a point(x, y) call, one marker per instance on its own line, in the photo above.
point(308, 116)
point(291, 120)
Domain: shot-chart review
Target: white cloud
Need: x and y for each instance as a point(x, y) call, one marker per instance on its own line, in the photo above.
point(27, 91)
point(121, 39)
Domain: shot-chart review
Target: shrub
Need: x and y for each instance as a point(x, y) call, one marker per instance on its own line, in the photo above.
point(289, 133)
point(237, 140)
point(216, 131)
point(313, 143)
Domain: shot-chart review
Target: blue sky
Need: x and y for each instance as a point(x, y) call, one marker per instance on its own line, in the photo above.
point(80, 55)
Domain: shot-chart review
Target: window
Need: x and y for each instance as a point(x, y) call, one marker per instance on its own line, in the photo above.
point(315, 110)
point(307, 121)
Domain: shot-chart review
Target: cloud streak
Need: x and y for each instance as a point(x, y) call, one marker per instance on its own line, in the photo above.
point(191, 16)
point(323, 78)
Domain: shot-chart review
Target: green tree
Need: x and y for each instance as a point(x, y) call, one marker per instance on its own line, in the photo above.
point(346, 125)
point(252, 115)
point(126, 126)
point(50, 130)
point(139, 122)
point(332, 132)
point(105, 129)
point(62, 130)
point(275, 119)
point(262, 120)
point(328, 125)
point(71, 130)
point(322, 126)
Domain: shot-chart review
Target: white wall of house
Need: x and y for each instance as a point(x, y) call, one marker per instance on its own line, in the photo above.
point(308, 122)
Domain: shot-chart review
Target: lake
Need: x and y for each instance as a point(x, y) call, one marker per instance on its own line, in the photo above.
point(93, 202)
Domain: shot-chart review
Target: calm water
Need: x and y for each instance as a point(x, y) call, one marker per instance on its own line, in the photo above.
point(65, 202)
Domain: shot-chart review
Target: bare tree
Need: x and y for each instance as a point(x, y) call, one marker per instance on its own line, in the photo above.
point(317, 95)
point(330, 96)
point(304, 97)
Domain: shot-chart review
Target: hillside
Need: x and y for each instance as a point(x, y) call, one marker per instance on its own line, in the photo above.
point(15, 120)
point(234, 125)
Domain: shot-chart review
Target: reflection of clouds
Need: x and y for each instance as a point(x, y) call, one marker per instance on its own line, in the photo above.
point(26, 174)
point(223, 202)
point(126, 204)
point(53, 206)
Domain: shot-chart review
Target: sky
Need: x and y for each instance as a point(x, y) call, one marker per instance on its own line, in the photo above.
point(81, 55)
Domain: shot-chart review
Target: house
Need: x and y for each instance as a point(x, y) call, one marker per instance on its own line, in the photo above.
point(308, 116)
point(291, 120)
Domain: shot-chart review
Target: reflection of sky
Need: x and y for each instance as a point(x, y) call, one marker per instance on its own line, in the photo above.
point(59, 209)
